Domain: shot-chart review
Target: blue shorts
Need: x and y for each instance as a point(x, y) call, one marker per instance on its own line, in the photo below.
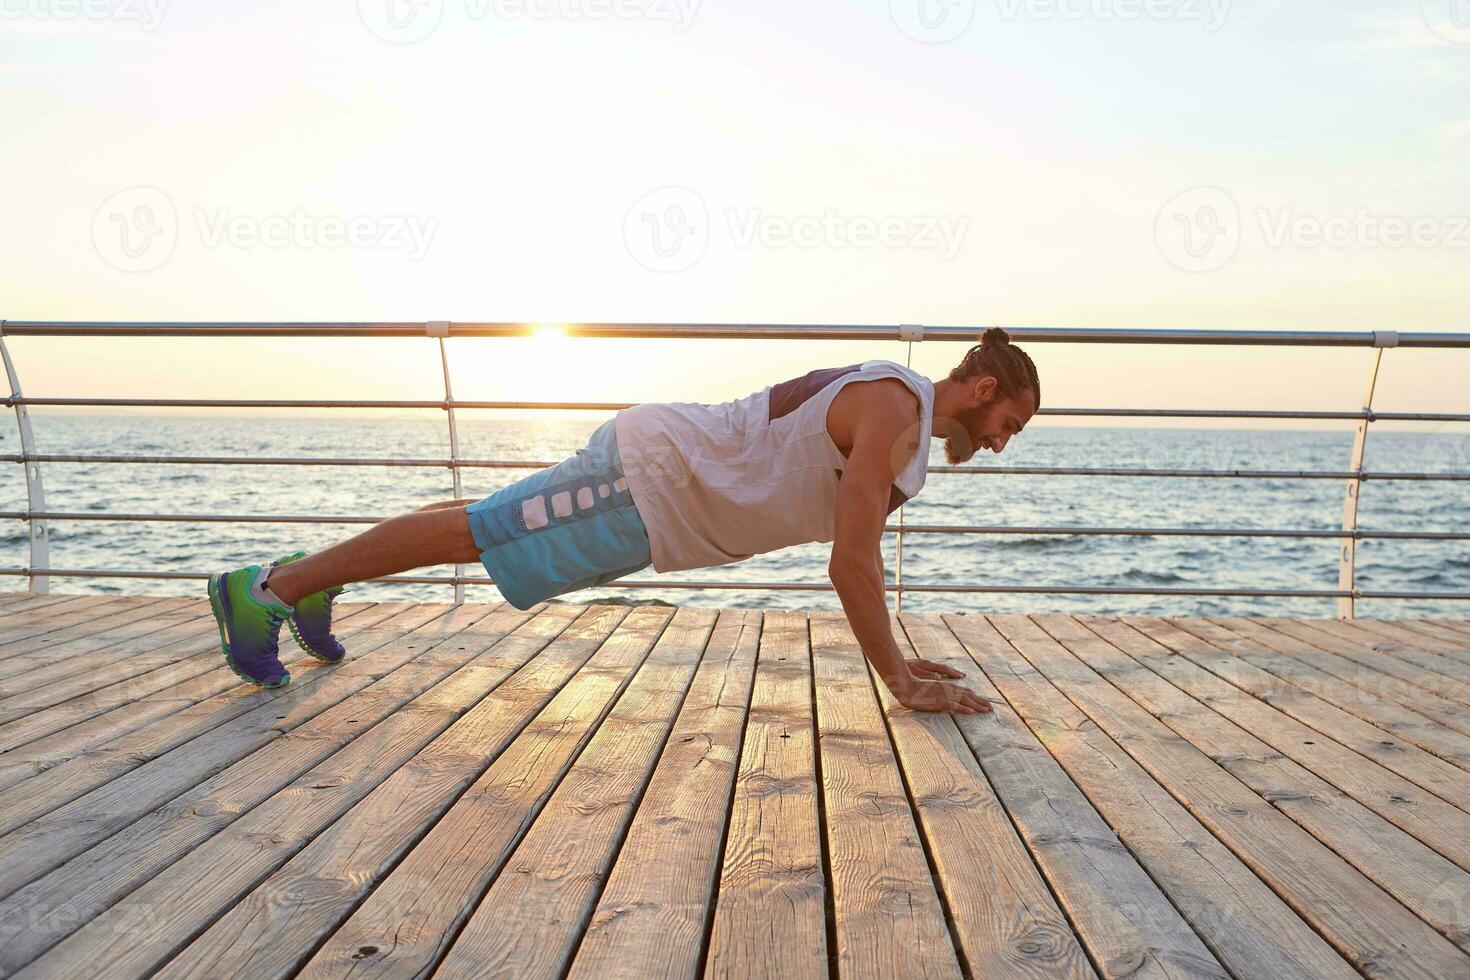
point(570, 526)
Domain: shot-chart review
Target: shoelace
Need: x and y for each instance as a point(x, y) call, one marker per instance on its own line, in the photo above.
point(276, 618)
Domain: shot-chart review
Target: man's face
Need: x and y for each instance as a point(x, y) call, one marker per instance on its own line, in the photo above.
point(988, 422)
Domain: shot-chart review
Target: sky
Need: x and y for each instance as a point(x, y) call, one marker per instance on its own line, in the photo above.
point(1084, 163)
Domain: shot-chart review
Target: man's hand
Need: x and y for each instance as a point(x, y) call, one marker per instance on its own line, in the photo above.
point(920, 694)
point(925, 669)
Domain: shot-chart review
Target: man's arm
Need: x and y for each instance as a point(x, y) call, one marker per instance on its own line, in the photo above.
point(856, 566)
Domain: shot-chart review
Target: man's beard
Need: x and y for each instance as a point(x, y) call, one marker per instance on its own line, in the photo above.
point(959, 447)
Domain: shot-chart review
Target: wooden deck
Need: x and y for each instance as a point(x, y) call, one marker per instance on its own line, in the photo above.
point(598, 792)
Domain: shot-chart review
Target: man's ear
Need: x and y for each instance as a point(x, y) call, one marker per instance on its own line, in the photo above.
point(985, 389)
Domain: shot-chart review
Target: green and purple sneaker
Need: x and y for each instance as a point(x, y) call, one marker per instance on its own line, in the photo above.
point(249, 625)
point(311, 622)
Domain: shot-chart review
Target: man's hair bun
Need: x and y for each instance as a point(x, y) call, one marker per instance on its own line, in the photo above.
point(995, 337)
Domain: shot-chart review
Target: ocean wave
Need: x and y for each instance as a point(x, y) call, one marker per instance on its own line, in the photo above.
point(1149, 576)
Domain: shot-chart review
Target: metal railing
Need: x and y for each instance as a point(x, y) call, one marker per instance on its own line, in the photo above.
point(39, 570)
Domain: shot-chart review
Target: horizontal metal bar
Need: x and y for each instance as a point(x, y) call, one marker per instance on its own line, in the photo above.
point(513, 464)
point(811, 586)
point(1189, 532)
point(1195, 474)
point(1146, 532)
point(726, 331)
point(313, 403)
point(505, 464)
point(1172, 413)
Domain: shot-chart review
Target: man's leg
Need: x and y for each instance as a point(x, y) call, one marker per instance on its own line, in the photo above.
point(438, 534)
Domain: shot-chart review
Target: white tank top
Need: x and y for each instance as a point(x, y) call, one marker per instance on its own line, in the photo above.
point(716, 484)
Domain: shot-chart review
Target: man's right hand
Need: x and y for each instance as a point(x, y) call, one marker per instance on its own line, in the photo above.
point(922, 695)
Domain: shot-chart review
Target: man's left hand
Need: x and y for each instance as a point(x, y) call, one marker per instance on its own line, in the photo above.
point(927, 669)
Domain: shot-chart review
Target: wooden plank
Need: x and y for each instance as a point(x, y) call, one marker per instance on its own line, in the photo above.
point(1105, 893)
point(769, 918)
point(1377, 670)
point(484, 785)
point(1289, 659)
point(1443, 651)
point(529, 923)
point(92, 654)
point(1364, 923)
point(15, 622)
point(41, 835)
point(1443, 674)
point(1251, 929)
point(491, 641)
point(102, 714)
point(653, 914)
point(1457, 641)
point(123, 733)
point(1458, 625)
point(1004, 918)
point(29, 623)
point(18, 601)
point(1426, 818)
point(1415, 697)
point(19, 656)
point(17, 612)
point(1407, 868)
point(1413, 763)
point(132, 658)
point(887, 917)
point(428, 742)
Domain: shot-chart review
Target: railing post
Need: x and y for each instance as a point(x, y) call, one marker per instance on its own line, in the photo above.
point(1348, 557)
point(440, 329)
point(35, 491)
point(908, 333)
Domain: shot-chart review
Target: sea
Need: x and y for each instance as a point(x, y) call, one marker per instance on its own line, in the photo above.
point(982, 498)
